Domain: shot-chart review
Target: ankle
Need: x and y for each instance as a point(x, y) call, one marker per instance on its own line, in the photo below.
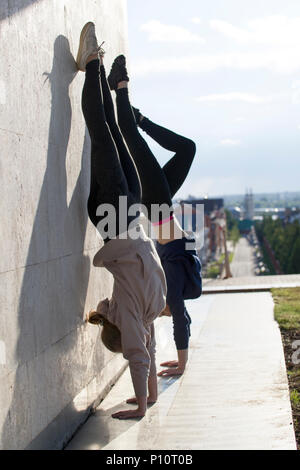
point(92, 57)
point(122, 84)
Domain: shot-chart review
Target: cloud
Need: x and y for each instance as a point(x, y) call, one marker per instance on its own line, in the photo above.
point(159, 32)
point(270, 43)
point(281, 61)
point(196, 187)
point(295, 92)
point(234, 96)
point(229, 30)
point(196, 20)
point(207, 186)
point(277, 30)
point(230, 142)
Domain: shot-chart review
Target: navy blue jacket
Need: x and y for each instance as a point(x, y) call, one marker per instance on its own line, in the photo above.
point(183, 275)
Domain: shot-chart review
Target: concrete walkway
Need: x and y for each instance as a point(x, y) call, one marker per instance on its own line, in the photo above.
point(250, 283)
point(233, 395)
point(243, 259)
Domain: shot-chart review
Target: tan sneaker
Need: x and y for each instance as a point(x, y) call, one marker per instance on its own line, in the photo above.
point(88, 45)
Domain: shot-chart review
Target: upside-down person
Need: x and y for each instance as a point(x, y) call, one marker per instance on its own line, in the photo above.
point(176, 249)
point(139, 282)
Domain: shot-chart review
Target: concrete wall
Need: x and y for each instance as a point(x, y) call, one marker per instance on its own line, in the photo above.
point(52, 365)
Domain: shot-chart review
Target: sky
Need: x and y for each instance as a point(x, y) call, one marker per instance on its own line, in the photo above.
point(225, 73)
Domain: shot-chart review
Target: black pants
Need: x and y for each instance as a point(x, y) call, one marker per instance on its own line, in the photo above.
point(113, 172)
point(158, 184)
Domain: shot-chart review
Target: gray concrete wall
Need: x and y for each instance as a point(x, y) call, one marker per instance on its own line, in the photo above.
point(52, 365)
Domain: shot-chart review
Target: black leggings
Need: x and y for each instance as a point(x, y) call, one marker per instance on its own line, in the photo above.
point(158, 184)
point(113, 171)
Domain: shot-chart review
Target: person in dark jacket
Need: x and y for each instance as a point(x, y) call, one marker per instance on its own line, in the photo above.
point(182, 266)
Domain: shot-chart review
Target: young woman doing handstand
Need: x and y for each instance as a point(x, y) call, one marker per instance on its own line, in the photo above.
point(139, 282)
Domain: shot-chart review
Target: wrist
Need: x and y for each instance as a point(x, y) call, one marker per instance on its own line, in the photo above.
point(141, 411)
point(152, 398)
point(182, 358)
point(142, 404)
point(152, 388)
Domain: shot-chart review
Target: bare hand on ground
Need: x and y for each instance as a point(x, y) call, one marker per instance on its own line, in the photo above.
point(170, 372)
point(133, 400)
point(169, 364)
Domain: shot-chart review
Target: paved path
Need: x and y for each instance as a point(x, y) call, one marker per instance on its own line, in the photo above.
point(243, 259)
point(250, 283)
point(233, 395)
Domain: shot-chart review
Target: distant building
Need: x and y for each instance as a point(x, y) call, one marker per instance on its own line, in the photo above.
point(247, 215)
point(209, 204)
point(245, 226)
point(248, 205)
point(292, 215)
point(236, 212)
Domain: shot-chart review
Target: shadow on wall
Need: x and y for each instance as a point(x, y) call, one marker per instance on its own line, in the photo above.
point(10, 7)
point(55, 279)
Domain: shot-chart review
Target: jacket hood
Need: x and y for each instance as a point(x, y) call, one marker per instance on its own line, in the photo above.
point(133, 241)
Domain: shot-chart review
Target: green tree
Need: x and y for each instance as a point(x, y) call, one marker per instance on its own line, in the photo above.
point(284, 241)
point(233, 232)
point(294, 261)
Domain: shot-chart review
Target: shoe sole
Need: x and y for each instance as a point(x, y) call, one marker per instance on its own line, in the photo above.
point(81, 42)
point(119, 61)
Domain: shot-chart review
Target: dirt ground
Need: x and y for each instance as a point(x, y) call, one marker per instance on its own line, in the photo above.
point(293, 371)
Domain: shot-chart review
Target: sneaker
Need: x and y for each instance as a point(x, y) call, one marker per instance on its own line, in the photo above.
point(88, 45)
point(118, 72)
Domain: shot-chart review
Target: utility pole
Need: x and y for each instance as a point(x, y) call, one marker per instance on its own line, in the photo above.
point(223, 229)
point(227, 265)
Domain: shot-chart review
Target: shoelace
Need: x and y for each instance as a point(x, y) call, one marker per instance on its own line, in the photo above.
point(100, 50)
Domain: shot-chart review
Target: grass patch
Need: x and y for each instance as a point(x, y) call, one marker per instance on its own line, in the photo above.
point(222, 258)
point(295, 398)
point(287, 308)
point(214, 269)
point(287, 314)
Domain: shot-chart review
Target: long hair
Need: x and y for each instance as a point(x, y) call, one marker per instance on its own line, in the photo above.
point(110, 335)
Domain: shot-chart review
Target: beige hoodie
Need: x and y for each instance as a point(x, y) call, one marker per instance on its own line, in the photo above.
point(138, 297)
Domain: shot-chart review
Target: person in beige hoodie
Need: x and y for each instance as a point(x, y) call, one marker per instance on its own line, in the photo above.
point(139, 290)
